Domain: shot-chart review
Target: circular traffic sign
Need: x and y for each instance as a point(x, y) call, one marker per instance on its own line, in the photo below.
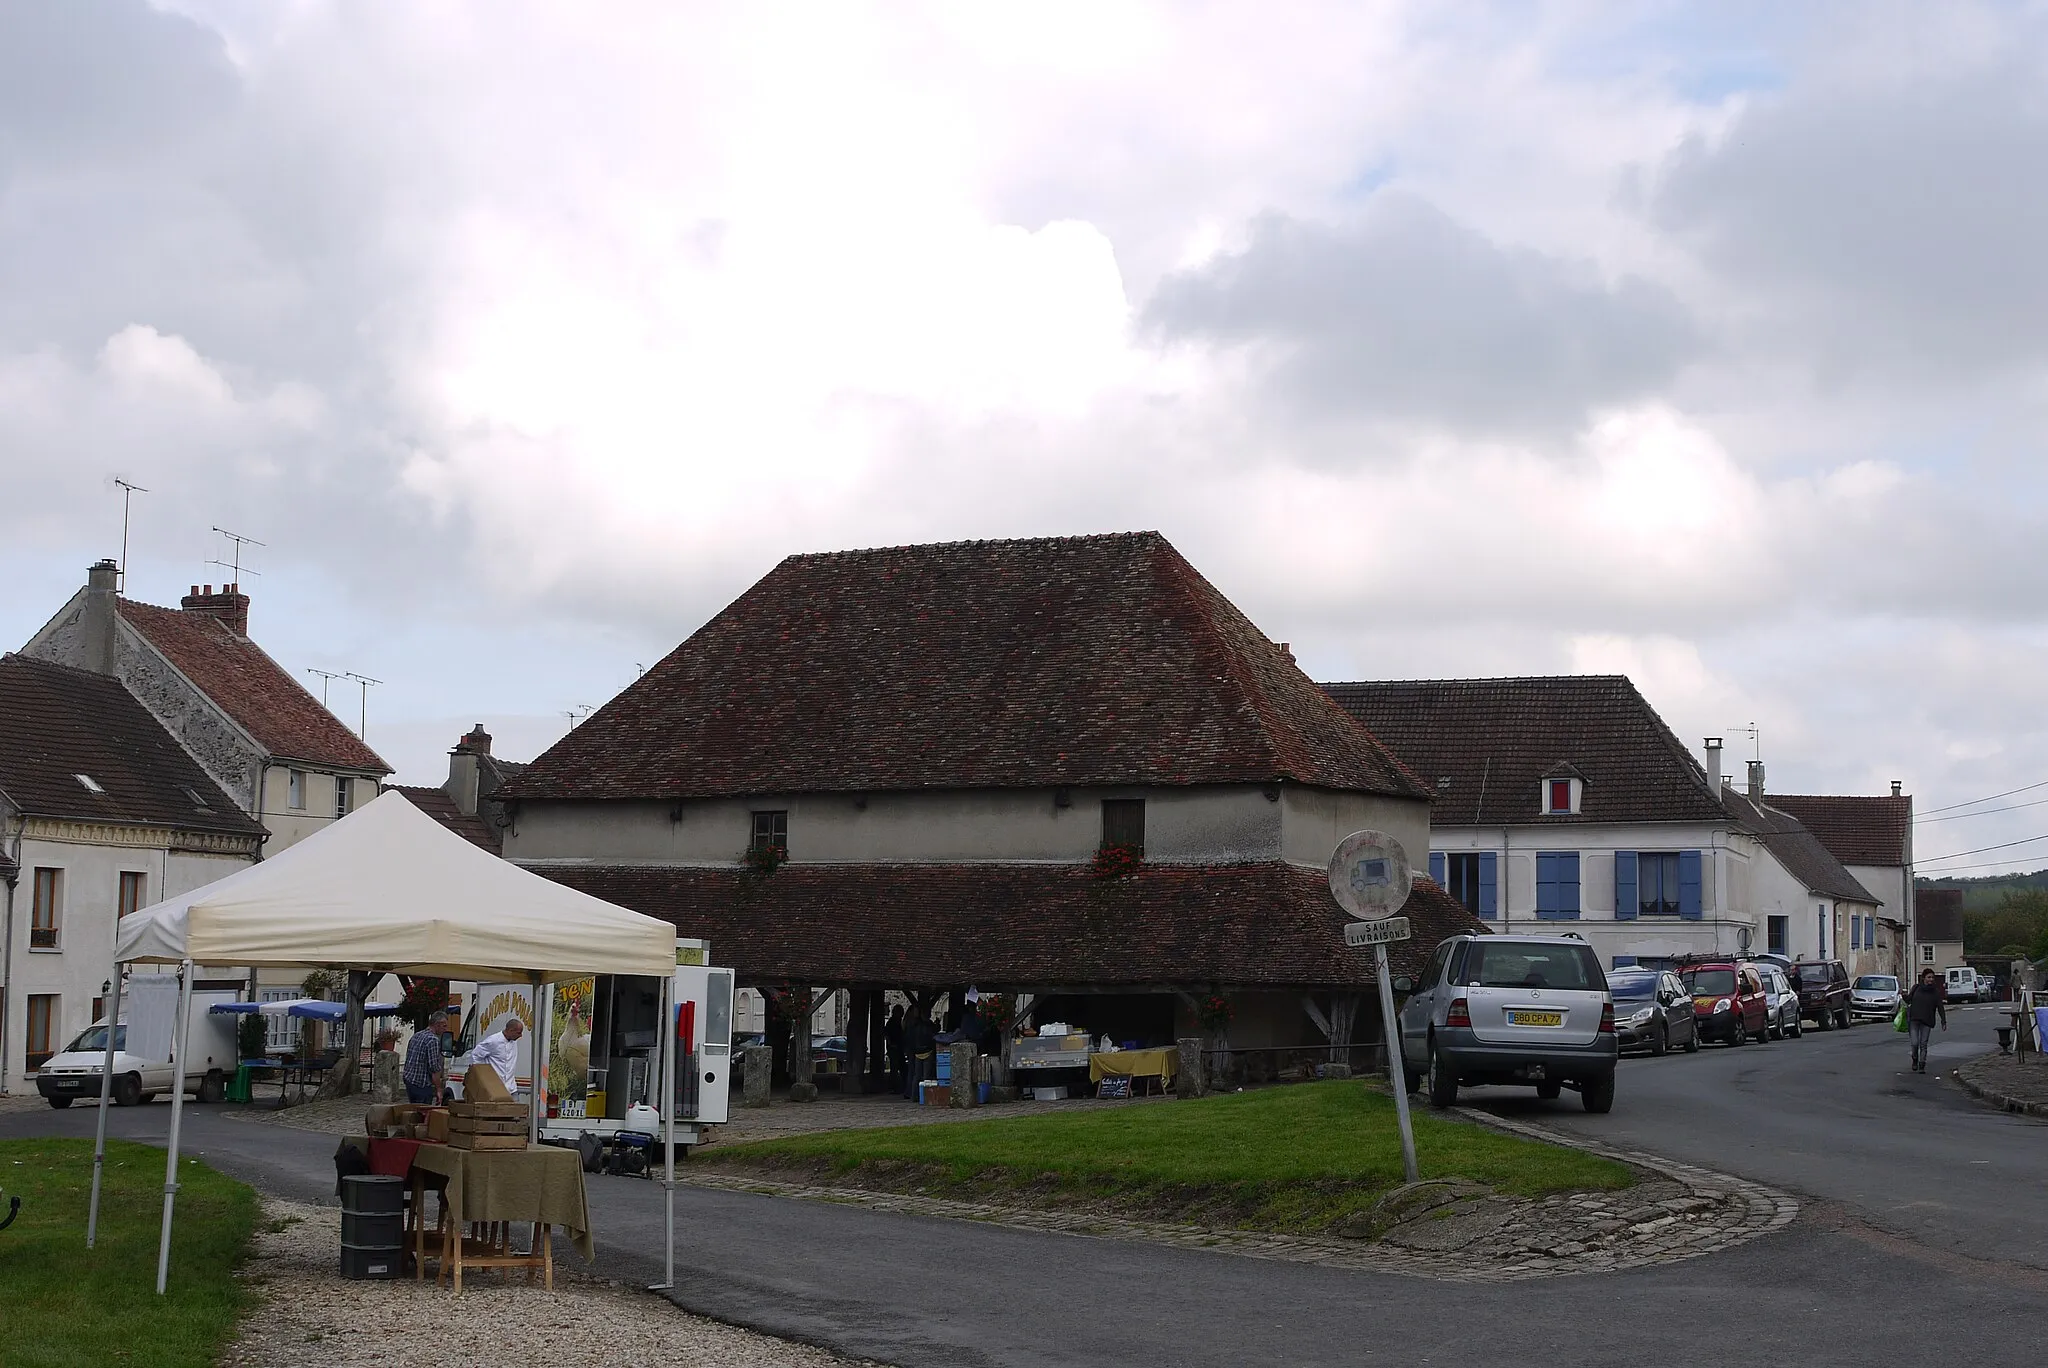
point(1370, 875)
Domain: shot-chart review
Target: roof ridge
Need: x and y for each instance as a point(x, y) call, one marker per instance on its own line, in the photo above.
point(854, 553)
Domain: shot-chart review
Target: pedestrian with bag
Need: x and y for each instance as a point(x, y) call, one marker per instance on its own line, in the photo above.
point(1926, 1003)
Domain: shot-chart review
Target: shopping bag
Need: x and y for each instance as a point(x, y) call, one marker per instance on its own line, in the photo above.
point(1899, 1021)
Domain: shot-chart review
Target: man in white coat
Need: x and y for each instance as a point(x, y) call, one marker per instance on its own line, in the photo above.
point(500, 1050)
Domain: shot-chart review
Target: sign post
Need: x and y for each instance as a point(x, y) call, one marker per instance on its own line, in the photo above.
point(1370, 878)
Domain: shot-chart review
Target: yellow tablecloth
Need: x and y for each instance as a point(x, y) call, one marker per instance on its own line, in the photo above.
point(1162, 1063)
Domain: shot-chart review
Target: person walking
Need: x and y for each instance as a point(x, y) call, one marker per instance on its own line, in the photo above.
point(1926, 1003)
point(426, 1071)
point(892, 1043)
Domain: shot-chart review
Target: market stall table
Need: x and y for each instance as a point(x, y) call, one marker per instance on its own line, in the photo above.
point(1162, 1063)
point(542, 1184)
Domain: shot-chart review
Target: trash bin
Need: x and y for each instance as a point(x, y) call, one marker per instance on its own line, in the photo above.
point(372, 1225)
point(239, 1088)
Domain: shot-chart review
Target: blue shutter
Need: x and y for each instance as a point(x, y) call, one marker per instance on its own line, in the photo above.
point(1855, 932)
point(1436, 867)
point(1689, 885)
point(1546, 886)
point(1568, 886)
point(1557, 885)
point(1489, 884)
point(1626, 904)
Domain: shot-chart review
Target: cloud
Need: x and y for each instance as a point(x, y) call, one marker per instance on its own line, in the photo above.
point(1403, 314)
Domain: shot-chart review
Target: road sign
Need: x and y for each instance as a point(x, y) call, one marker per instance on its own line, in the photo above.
point(1370, 875)
point(1376, 932)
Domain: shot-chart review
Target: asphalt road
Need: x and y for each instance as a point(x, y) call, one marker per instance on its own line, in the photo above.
point(1895, 1262)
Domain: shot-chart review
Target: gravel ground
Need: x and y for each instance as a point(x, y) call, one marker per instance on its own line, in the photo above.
point(310, 1318)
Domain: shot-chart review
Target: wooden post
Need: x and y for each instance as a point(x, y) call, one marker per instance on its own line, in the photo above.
point(878, 1039)
point(855, 1079)
point(802, 1087)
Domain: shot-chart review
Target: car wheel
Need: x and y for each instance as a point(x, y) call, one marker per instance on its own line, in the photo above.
point(1550, 1092)
point(60, 1103)
point(1740, 1035)
point(1822, 1020)
point(1443, 1081)
point(213, 1087)
point(1598, 1095)
point(1797, 1028)
point(128, 1090)
point(1660, 1041)
point(1842, 1018)
point(1692, 1039)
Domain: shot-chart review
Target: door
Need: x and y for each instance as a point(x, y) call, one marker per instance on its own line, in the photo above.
point(1420, 1010)
point(1676, 1004)
point(703, 1026)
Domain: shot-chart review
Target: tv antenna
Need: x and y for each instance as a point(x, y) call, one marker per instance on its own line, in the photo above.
point(239, 541)
point(1756, 739)
point(363, 719)
point(129, 489)
point(326, 677)
point(577, 714)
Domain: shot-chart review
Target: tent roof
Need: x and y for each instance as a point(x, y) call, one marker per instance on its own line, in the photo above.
point(389, 889)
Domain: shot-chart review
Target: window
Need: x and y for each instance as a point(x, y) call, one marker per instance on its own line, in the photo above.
point(1560, 795)
point(42, 1027)
point(1779, 930)
point(44, 910)
point(134, 886)
point(1123, 823)
point(341, 794)
point(297, 790)
point(99, 1009)
point(1557, 885)
point(1470, 876)
point(280, 1032)
point(1855, 931)
point(1927, 952)
point(771, 831)
point(1657, 883)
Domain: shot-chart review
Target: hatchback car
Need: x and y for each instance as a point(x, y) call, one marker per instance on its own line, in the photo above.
point(1874, 996)
point(1728, 1001)
point(1781, 1001)
point(1652, 1011)
point(1530, 1010)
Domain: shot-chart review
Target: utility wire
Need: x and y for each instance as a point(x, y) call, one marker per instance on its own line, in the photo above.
point(2024, 788)
point(1965, 816)
point(1988, 864)
point(1956, 854)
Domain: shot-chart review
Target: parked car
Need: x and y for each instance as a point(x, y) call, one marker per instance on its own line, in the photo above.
point(1527, 1010)
point(828, 1054)
point(1781, 1000)
point(1728, 1001)
point(1652, 1011)
point(740, 1046)
point(1874, 996)
point(1823, 992)
point(1963, 985)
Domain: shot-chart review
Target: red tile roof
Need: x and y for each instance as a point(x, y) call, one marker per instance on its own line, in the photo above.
point(1856, 830)
point(1804, 855)
point(252, 688)
point(1069, 661)
point(1019, 925)
point(1937, 914)
point(62, 722)
point(438, 805)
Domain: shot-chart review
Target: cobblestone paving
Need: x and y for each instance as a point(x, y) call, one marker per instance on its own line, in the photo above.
point(1677, 1212)
point(2014, 1083)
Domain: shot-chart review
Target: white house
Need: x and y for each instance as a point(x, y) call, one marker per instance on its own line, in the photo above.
point(101, 813)
point(1873, 838)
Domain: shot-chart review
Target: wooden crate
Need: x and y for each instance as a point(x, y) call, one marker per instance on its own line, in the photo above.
point(465, 1140)
point(495, 1111)
point(478, 1125)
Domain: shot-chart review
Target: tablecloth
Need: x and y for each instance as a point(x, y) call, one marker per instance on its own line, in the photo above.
point(543, 1183)
point(1162, 1063)
point(393, 1158)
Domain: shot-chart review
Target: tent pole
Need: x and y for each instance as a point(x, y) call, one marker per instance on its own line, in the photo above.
point(668, 1112)
point(99, 1144)
point(180, 1041)
point(540, 1068)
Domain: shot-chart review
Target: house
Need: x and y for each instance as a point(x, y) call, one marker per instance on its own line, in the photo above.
point(1937, 928)
point(1566, 799)
point(1068, 767)
point(467, 802)
point(101, 813)
point(1796, 872)
point(273, 747)
point(1873, 837)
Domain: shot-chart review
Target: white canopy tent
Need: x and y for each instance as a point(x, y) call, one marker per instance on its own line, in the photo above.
point(387, 889)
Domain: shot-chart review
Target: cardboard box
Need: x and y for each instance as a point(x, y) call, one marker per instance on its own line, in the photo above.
point(481, 1083)
point(460, 1140)
point(437, 1125)
point(497, 1111)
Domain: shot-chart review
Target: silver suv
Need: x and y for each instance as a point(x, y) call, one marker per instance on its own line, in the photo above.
point(1511, 1010)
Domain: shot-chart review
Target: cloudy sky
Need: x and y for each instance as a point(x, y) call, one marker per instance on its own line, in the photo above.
point(1704, 343)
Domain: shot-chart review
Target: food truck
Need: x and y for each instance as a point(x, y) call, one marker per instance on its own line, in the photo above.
point(602, 1053)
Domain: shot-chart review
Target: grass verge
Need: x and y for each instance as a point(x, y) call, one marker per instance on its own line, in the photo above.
point(65, 1306)
point(1299, 1158)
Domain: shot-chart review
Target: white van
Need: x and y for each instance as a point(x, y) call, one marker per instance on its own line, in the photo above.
point(1964, 984)
point(148, 1022)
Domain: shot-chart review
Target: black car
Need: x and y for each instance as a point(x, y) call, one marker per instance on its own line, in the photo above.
point(1653, 1011)
point(1823, 992)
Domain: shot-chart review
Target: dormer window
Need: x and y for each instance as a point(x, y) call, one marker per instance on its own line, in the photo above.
point(1561, 796)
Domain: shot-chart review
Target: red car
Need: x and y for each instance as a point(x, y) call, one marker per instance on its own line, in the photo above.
point(1728, 1001)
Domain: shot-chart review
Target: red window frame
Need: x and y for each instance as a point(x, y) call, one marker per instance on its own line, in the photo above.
point(1560, 795)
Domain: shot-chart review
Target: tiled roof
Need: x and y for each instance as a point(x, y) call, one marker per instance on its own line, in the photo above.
point(1071, 661)
point(251, 688)
point(438, 805)
point(61, 723)
point(1484, 745)
point(1019, 925)
point(1802, 853)
point(1858, 830)
point(1937, 914)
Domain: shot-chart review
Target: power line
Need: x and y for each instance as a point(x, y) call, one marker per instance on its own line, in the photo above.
point(1956, 854)
point(1966, 816)
point(1990, 864)
point(2024, 788)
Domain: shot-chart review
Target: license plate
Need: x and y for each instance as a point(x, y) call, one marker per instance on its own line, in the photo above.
point(1535, 1018)
point(67, 1084)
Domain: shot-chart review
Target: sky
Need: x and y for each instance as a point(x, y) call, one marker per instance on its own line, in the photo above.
point(1706, 344)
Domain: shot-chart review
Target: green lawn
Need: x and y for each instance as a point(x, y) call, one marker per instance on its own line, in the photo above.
point(1291, 1158)
point(63, 1304)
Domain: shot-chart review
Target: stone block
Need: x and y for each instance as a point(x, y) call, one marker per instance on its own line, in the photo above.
point(803, 1090)
point(1193, 1081)
point(965, 1074)
point(387, 1083)
point(757, 1063)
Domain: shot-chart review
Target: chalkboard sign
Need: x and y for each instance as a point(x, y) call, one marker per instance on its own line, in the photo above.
point(1113, 1087)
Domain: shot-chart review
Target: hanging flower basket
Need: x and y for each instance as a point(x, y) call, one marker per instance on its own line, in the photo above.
point(765, 859)
point(423, 998)
point(1116, 862)
point(1214, 1012)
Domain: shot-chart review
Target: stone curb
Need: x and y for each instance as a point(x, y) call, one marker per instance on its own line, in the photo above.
point(2005, 1102)
point(1676, 1239)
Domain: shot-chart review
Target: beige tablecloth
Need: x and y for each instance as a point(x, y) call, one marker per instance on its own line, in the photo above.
point(1162, 1063)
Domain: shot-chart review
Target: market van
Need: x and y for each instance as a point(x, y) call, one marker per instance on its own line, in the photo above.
point(602, 1045)
point(145, 1060)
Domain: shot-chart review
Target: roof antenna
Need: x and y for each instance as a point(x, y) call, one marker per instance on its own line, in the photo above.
point(363, 721)
point(129, 489)
point(240, 541)
point(1756, 739)
point(326, 677)
point(577, 714)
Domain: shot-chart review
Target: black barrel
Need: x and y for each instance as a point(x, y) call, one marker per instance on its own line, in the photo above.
point(372, 1226)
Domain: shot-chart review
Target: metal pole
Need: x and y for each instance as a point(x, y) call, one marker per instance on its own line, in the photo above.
point(538, 1083)
point(182, 1038)
point(668, 1112)
point(1396, 1069)
point(99, 1144)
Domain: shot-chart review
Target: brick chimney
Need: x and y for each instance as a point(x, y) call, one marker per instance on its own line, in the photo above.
point(97, 624)
point(230, 605)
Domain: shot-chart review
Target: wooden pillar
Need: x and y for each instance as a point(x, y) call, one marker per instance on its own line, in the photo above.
point(855, 1079)
point(802, 1086)
point(878, 1040)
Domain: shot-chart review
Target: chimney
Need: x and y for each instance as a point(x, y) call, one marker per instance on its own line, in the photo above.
point(1713, 749)
point(1756, 781)
point(230, 605)
point(1897, 785)
point(1287, 649)
point(99, 619)
point(465, 768)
